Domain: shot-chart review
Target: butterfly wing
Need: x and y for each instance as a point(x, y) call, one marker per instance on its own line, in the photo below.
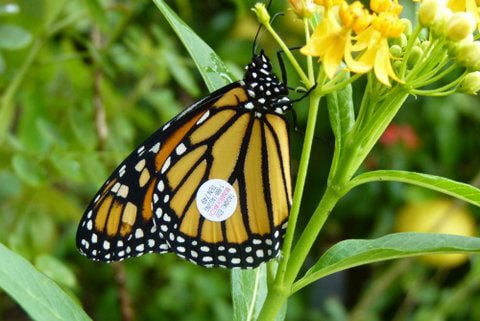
point(119, 222)
point(252, 154)
point(237, 135)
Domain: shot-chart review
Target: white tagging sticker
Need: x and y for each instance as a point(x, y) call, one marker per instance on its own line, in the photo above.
point(216, 200)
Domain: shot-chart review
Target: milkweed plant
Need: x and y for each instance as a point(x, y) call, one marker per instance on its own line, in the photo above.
point(436, 55)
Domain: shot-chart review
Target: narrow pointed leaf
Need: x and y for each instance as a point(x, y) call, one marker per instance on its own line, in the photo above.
point(38, 295)
point(213, 70)
point(462, 191)
point(351, 253)
point(341, 112)
point(249, 290)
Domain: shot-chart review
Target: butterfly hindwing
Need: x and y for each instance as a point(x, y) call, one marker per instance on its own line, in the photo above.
point(252, 155)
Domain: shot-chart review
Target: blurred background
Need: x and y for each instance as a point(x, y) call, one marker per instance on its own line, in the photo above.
point(83, 82)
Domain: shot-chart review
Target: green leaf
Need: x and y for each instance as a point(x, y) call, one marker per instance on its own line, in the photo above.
point(98, 14)
point(180, 72)
point(10, 187)
point(28, 171)
point(41, 298)
point(56, 270)
point(341, 112)
point(463, 191)
point(13, 37)
point(213, 70)
point(351, 253)
point(249, 289)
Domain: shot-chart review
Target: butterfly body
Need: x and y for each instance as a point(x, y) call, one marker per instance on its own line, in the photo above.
point(236, 135)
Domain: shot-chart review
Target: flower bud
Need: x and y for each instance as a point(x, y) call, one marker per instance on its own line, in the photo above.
point(396, 51)
point(471, 83)
point(302, 8)
point(262, 14)
point(399, 41)
point(425, 44)
point(397, 64)
point(428, 12)
point(408, 26)
point(439, 27)
point(468, 54)
point(460, 25)
point(414, 57)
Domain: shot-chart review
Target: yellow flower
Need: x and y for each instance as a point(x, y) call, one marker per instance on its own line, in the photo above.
point(328, 3)
point(332, 39)
point(374, 42)
point(328, 42)
point(355, 17)
point(379, 6)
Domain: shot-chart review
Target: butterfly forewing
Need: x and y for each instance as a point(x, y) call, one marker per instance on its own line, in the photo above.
point(119, 222)
point(237, 135)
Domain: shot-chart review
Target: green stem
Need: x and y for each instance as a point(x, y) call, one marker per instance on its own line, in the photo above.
point(274, 301)
point(300, 184)
point(310, 233)
point(360, 140)
point(327, 89)
point(433, 92)
point(408, 50)
point(434, 55)
point(289, 55)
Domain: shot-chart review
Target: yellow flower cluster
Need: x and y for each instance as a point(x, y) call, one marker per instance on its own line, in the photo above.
point(358, 37)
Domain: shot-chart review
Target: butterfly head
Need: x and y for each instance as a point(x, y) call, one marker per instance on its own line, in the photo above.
point(266, 91)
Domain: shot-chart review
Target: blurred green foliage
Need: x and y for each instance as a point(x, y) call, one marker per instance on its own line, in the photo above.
point(65, 63)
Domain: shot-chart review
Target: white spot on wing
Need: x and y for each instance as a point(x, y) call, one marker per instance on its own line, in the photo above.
point(138, 233)
point(155, 148)
point(204, 117)
point(123, 191)
point(115, 187)
point(161, 186)
point(140, 165)
point(166, 165)
point(180, 149)
point(121, 172)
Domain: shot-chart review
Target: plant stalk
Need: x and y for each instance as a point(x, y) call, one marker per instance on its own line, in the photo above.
point(274, 302)
point(300, 184)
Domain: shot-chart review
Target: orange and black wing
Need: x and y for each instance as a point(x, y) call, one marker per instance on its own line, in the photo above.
point(236, 135)
point(252, 155)
point(119, 222)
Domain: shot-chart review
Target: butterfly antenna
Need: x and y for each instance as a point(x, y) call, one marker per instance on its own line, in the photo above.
point(257, 34)
point(255, 40)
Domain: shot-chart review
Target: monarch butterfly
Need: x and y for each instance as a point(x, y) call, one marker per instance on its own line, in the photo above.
point(233, 144)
